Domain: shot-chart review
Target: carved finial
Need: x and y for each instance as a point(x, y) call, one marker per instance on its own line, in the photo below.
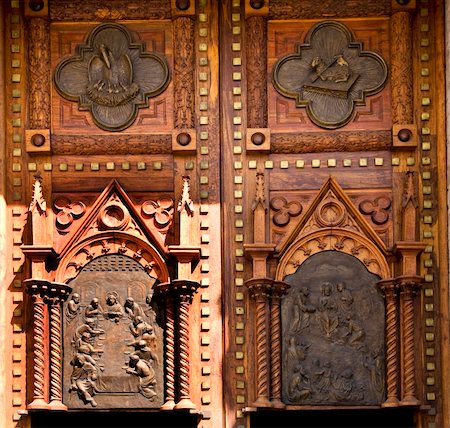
point(409, 193)
point(260, 197)
point(37, 201)
point(186, 202)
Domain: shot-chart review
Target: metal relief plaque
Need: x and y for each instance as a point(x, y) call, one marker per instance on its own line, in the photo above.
point(112, 77)
point(113, 344)
point(329, 74)
point(333, 334)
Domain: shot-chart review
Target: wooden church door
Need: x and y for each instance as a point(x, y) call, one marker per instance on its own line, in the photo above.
point(268, 175)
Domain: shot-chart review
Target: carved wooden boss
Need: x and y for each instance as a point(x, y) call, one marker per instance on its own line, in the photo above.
point(329, 74)
point(112, 77)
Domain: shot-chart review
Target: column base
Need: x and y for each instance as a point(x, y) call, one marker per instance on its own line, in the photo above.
point(391, 402)
point(38, 404)
point(184, 403)
point(277, 404)
point(262, 402)
point(410, 401)
point(57, 405)
point(168, 405)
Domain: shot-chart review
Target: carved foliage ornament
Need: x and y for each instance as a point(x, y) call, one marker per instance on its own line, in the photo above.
point(112, 76)
point(329, 74)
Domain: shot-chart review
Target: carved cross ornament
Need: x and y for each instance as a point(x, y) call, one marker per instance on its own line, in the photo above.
point(112, 76)
point(329, 74)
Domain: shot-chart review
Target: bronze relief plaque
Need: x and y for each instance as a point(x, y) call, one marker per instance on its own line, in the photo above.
point(330, 74)
point(113, 344)
point(112, 76)
point(333, 334)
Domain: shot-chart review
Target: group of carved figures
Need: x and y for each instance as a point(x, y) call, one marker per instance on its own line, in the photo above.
point(86, 362)
point(333, 314)
point(332, 321)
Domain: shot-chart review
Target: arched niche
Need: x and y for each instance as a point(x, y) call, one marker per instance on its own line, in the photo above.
point(333, 324)
point(113, 340)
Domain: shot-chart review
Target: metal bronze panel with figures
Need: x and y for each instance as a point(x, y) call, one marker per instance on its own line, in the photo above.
point(113, 351)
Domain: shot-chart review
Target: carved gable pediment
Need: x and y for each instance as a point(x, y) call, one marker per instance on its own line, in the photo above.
point(115, 225)
point(332, 222)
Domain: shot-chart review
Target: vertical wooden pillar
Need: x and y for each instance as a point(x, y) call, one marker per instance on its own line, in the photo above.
point(185, 291)
point(260, 289)
point(279, 288)
point(38, 290)
point(165, 290)
point(389, 289)
point(409, 286)
point(256, 52)
point(58, 294)
point(401, 63)
point(39, 78)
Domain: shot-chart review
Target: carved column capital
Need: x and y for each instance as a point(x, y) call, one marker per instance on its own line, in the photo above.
point(279, 289)
point(409, 286)
point(260, 288)
point(389, 288)
point(185, 289)
point(39, 289)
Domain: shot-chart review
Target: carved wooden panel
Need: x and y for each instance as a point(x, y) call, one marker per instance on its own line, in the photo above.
point(308, 9)
point(113, 344)
point(285, 37)
point(111, 76)
point(329, 74)
point(79, 10)
point(69, 119)
point(333, 353)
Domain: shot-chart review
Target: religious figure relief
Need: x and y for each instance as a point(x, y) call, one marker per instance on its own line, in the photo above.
point(83, 378)
point(330, 74)
point(113, 346)
point(302, 310)
point(114, 310)
point(112, 76)
point(332, 353)
point(72, 308)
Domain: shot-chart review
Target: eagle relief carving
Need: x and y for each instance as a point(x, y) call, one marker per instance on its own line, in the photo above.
point(329, 74)
point(112, 76)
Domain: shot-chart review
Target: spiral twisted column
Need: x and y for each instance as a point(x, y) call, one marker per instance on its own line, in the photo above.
point(389, 289)
point(260, 289)
point(185, 290)
point(279, 289)
point(38, 289)
point(409, 286)
point(58, 294)
point(166, 291)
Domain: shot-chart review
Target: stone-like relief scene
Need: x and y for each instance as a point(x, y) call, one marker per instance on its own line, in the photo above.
point(113, 345)
point(333, 333)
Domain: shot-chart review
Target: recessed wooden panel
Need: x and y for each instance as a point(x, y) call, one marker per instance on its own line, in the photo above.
point(68, 119)
point(283, 38)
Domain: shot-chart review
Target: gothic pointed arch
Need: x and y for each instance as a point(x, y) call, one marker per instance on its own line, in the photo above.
point(332, 222)
point(113, 226)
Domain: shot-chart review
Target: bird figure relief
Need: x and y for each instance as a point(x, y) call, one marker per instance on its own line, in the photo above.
point(111, 78)
point(337, 71)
